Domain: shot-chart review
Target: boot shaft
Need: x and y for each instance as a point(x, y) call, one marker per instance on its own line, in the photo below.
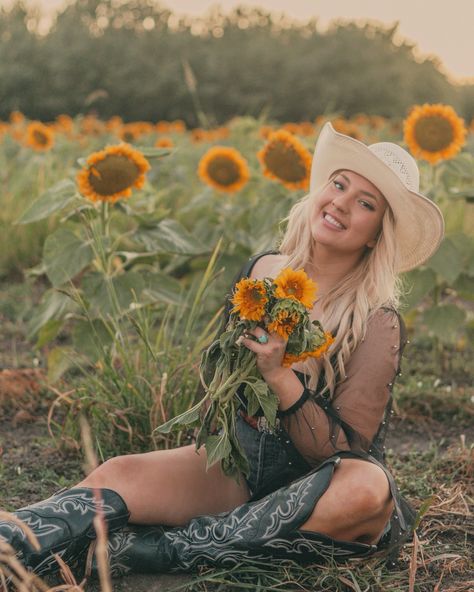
point(62, 524)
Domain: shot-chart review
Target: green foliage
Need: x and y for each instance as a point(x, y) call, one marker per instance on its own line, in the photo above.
point(144, 374)
point(127, 58)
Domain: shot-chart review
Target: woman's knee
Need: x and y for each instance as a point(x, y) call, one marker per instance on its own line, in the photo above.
point(370, 498)
point(110, 473)
point(357, 494)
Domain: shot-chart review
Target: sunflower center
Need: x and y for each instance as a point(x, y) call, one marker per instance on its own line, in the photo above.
point(293, 289)
point(223, 170)
point(285, 162)
point(433, 133)
point(256, 294)
point(40, 138)
point(113, 174)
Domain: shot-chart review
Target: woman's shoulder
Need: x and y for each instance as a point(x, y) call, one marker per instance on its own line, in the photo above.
point(265, 264)
point(386, 319)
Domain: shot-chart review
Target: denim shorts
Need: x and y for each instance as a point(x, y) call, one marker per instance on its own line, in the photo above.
point(274, 461)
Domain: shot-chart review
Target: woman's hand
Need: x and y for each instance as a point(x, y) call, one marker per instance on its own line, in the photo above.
point(283, 381)
point(269, 354)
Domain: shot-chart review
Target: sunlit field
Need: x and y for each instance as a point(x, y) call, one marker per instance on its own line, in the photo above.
point(118, 243)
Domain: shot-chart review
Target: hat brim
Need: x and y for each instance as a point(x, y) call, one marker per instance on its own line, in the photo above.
point(419, 223)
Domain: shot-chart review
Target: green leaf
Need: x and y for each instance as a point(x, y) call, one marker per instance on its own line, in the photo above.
point(253, 404)
point(54, 306)
point(65, 255)
point(187, 418)
point(444, 321)
point(151, 152)
point(267, 399)
point(169, 236)
point(48, 332)
point(447, 261)
point(464, 286)
point(91, 338)
point(160, 287)
point(217, 448)
point(60, 360)
point(112, 295)
point(418, 283)
point(54, 199)
point(465, 245)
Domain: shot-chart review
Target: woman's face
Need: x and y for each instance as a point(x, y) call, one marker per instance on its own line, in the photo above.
point(347, 214)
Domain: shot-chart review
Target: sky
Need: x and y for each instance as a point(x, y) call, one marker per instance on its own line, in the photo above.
point(441, 29)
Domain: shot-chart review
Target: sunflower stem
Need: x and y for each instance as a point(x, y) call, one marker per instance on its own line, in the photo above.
point(104, 209)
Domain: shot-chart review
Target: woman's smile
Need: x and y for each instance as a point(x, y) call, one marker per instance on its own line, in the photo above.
point(352, 207)
point(332, 222)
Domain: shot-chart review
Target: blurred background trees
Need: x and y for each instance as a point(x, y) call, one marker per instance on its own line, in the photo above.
point(112, 57)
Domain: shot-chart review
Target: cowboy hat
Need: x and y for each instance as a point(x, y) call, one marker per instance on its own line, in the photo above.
point(419, 224)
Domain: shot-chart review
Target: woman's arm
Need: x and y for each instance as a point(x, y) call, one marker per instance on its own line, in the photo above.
point(318, 427)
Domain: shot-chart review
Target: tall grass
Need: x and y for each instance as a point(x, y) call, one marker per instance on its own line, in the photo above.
point(147, 371)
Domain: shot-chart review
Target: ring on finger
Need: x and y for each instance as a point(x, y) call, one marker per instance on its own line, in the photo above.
point(263, 338)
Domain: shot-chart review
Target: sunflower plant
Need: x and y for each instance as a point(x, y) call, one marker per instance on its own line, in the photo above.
point(104, 259)
point(229, 371)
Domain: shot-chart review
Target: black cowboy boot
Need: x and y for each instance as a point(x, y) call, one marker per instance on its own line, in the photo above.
point(264, 528)
point(62, 524)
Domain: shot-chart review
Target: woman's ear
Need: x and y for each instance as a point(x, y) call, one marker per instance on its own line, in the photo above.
point(371, 244)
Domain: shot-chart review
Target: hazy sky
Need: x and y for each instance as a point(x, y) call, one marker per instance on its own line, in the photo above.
point(445, 29)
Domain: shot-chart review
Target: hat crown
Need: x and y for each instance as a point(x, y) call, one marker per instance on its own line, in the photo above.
point(400, 162)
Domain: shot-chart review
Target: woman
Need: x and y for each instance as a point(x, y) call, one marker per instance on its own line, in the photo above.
point(318, 486)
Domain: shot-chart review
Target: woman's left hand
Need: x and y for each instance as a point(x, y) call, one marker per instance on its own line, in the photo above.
point(269, 354)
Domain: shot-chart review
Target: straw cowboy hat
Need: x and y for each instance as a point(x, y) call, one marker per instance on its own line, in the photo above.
point(419, 224)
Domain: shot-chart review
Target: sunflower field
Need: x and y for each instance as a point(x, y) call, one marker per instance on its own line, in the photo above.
point(118, 243)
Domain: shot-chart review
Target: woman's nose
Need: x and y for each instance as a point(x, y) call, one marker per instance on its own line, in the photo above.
point(339, 202)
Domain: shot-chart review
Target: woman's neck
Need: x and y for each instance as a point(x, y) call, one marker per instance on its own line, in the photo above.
point(328, 268)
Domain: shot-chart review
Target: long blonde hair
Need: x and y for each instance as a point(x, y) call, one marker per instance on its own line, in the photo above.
point(346, 308)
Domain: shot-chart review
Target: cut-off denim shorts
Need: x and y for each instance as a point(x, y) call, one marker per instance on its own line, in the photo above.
point(273, 459)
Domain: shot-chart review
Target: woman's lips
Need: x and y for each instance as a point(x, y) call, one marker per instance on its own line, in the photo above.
point(332, 222)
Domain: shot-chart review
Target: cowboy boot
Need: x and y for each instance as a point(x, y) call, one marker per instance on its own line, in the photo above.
point(62, 524)
point(268, 527)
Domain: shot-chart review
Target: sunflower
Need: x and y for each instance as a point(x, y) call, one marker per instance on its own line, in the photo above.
point(296, 285)
point(284, 323)
point(291, 127)
point(249, 299)
point(198, 135)
point(306, 128)
point(64, 124)
point(178, 126)
point(92, 126)
point(163, 127)
point(289, 359)
point(17, 118)
point(322, 349)
point(285, 159)
point(265, 131)
point(224, 168)
point(111, 173)
point(129, 132)
point(39, 136)
point(164, 142)
point(348, 128)
point(114, 123)
point(434, 132)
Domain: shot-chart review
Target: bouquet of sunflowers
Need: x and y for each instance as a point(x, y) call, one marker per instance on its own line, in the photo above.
point(278, 305)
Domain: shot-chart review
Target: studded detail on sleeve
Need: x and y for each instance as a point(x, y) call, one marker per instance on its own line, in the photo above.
point(356, 418)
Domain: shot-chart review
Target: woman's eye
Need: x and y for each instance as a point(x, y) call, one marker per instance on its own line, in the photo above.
point(338, 185)
point(366, 204)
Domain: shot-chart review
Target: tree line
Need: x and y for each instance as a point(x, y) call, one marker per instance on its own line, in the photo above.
point(138, 60)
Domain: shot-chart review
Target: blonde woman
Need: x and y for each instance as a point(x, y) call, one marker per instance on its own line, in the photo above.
point(318, 485)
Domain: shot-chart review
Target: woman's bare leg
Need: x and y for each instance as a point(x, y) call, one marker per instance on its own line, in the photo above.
point(356, 505)
point(169, 487)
